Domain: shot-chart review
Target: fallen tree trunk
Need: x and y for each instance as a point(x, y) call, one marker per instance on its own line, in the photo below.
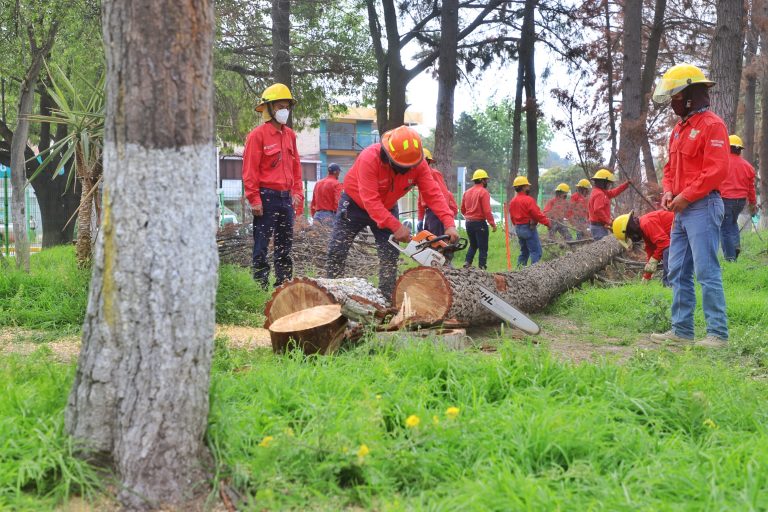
point(320, 329)
point(438, 294)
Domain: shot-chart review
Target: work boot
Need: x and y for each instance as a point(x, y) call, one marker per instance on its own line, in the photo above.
point(712, 342)
point(670, 336)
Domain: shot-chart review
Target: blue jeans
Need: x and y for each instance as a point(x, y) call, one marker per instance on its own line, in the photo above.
point(276, 221)
point(665, 268)
point(694, 244)
point(598, 231)
point(530, 245)
point(729, 230)
point(350, 220)
point(477, 232)
point(324, 217)
point(432, 223)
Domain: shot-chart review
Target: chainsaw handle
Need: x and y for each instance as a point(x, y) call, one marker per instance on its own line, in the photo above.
point(428, 243)
point(460, 245)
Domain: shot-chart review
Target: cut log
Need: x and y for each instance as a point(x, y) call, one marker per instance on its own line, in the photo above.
point(449, 293)
point(317, 330)
point(359, 299)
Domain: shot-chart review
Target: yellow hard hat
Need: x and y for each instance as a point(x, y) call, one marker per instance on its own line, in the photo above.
point(428, 154)
point(620, 228)
point(584, 183)
point(604, 174)
point(563, 187)
point(274, 92)
point(520, 181)
point(676, 79)
point(479, 175)
point(735, 140)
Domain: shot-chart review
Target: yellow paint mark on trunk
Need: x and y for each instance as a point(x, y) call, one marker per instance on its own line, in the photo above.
point(108, 279)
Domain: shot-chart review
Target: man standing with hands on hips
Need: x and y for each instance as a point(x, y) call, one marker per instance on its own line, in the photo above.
point(272, 182)
point(698, 163)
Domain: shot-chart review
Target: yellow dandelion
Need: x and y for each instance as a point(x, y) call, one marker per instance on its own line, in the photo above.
point(435, 420)
point(344, 450)
point(266, 441)
point(452, 412)
point(378, 397)
point(288, 431)
point(363, 451)
point(710, 424)
point(412, 421)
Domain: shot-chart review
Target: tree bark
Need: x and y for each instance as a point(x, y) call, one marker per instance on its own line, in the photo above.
point(140, 396)
point(517, 116)
point(750, 88)
point(611, 93)
point(632, 123)
point(530, 289)
point(531, 105)
point(19, 143)
point(85, 210)
point(727, 48)
point(447, 78)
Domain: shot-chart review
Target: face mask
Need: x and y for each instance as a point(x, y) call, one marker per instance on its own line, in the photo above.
point(281, 116)
point(679, 107)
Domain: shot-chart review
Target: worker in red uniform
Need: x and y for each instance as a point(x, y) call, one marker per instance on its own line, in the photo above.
point(272, 182)
point(600, 219)
point(558, 211)
point(326, 196)
point(737, 189)
point(653, 229)
point(476, 209)
point(579, 209)
point(525, 215)
point(698, 164)
point(427, 219)
point(383, 173)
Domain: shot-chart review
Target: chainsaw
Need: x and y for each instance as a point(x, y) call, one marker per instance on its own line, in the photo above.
point(428, 249)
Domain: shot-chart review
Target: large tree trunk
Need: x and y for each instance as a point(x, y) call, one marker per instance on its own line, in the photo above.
point(281, 44)
point(531, 105)
point(517, 121)
point(85, 210)
point(762, 23)
point(727, 48)
point(398, 76)
point(447, 77)
point(530, 289)
point(140, 396)
point(632, 123)
point(648, 77)
point(612, 134)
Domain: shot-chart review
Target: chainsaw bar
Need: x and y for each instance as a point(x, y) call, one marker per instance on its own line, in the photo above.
point(503, 310)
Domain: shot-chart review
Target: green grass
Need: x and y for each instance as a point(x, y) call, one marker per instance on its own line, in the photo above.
point(664, 431)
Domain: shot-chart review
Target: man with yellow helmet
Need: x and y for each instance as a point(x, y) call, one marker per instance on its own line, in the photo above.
point(600, 218)
point(580, 209)
point(558, 211)
point(476, 209)
point(525, 215)
point(383, 173)
point(698, 163)
point(653, 229)
point(272, 182)
point(737, 189)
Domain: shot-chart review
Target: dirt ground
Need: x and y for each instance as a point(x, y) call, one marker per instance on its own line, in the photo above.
point(564, 338)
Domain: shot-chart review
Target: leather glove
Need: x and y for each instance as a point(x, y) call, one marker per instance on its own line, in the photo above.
point(651, 266)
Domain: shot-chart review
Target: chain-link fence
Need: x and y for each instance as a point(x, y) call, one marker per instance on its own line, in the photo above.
point(32, 219)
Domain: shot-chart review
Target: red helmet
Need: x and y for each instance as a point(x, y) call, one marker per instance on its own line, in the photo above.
point(403, 146)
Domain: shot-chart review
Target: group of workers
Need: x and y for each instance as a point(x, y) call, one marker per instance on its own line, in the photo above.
point(705, 188)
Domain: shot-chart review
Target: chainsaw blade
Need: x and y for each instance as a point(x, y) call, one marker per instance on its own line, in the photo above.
point(503, 310)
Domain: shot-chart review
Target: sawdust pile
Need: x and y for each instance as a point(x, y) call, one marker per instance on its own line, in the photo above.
point(310, 246)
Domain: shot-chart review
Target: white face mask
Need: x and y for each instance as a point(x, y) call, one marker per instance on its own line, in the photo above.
point(281, 116)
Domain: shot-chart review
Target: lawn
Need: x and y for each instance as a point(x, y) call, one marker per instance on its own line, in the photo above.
point(424, 428)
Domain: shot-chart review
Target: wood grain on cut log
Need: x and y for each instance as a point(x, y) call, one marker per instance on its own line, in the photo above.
point(316, 330)
point(352, 294)
point(529, 289)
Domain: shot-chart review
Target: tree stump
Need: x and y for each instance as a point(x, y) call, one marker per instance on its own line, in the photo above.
point(442, 293)
point(359, 300)
point(316, 330)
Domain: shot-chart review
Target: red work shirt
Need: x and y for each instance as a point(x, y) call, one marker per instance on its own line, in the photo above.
point(557, 209)
point(740, 181)
point(326, 195)
point(271, 160)
point(438, 177)
point(579, 210)
point(600, 203)
point(698, 156)
point(523, 209)
point(656, 227)
point(375, 187)
point(476, 204)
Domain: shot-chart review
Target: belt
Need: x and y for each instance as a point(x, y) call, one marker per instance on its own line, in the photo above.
point(596, 224)
point(272, 192)
point(475, 220)
point(329, 211)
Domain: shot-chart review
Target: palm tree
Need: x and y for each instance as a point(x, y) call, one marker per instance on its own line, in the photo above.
point(82, 111)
